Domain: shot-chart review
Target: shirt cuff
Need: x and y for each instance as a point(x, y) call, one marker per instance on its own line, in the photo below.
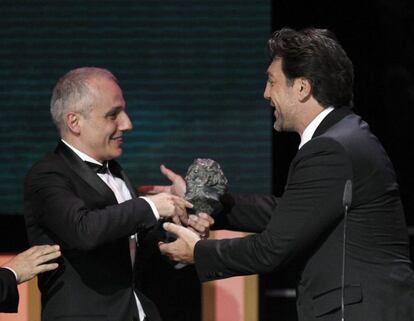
point(10, 269)
point(180, 265)
point(153, 207)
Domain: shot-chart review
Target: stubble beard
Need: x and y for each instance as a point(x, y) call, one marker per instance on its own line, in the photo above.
point(278, 123)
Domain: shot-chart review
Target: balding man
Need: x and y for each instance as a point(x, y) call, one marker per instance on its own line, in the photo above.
point(80, 198)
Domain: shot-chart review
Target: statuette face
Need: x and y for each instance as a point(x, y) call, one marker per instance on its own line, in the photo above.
point(206, 183)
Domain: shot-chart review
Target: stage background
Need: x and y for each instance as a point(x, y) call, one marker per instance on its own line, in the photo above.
point(193, 74)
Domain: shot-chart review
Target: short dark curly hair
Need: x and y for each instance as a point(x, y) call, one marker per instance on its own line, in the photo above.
point(316, 55)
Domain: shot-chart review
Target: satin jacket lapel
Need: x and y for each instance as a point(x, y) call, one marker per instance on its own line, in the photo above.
point(129, 185)
point(331, 119)
point(116, 169)
point(85, 173)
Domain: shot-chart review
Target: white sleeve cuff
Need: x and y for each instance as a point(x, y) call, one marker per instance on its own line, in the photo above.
point(153, 207)
point(10, 269)
point(180, 265)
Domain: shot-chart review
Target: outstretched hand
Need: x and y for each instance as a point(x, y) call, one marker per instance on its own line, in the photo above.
point(182, 249)
point(178, 186)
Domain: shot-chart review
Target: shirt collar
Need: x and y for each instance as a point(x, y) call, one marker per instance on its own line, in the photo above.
point(81, 155)
point(311, 128)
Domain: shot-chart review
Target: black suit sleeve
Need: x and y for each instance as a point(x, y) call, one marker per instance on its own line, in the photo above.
point(9, 296)
point(54, 201)
point(247, 213)
point(309, 208)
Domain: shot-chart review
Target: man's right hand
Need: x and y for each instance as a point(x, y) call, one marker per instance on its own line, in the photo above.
point(169, 205)
point(33, 261)
point(178, 186)
point(182, 249)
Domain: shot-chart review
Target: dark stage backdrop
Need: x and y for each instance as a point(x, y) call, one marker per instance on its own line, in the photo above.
point(193, 74)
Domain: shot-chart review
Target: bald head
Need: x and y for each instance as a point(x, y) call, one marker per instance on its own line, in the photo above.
point(75, 92)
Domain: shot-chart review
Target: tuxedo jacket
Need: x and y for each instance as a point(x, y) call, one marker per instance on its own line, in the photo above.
point(9, 296)
point(66, 203)
point(305, 228)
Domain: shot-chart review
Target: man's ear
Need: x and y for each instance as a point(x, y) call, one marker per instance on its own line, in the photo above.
point(304, 88)
point(73, 121)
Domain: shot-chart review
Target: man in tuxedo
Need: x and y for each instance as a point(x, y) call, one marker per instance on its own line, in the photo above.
point(24, 267)
point(352, 266)
point(80, 198)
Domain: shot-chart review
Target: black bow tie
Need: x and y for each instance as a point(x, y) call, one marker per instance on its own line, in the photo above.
point(99, 169)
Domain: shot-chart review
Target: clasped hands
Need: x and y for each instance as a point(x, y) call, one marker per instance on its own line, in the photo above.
point(188, 229)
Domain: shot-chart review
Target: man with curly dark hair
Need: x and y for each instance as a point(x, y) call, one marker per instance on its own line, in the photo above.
point(340, 219)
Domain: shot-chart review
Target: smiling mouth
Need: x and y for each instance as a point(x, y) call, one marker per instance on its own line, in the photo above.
point(118, 138)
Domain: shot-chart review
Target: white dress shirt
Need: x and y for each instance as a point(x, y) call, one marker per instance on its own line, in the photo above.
point(311, 128)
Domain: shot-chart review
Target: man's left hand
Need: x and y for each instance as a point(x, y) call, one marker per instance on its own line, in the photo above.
point(200, 224)
point(182, 249)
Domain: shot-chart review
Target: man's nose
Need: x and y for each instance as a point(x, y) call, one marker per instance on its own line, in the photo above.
point(124, 123)
point(266, 94)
